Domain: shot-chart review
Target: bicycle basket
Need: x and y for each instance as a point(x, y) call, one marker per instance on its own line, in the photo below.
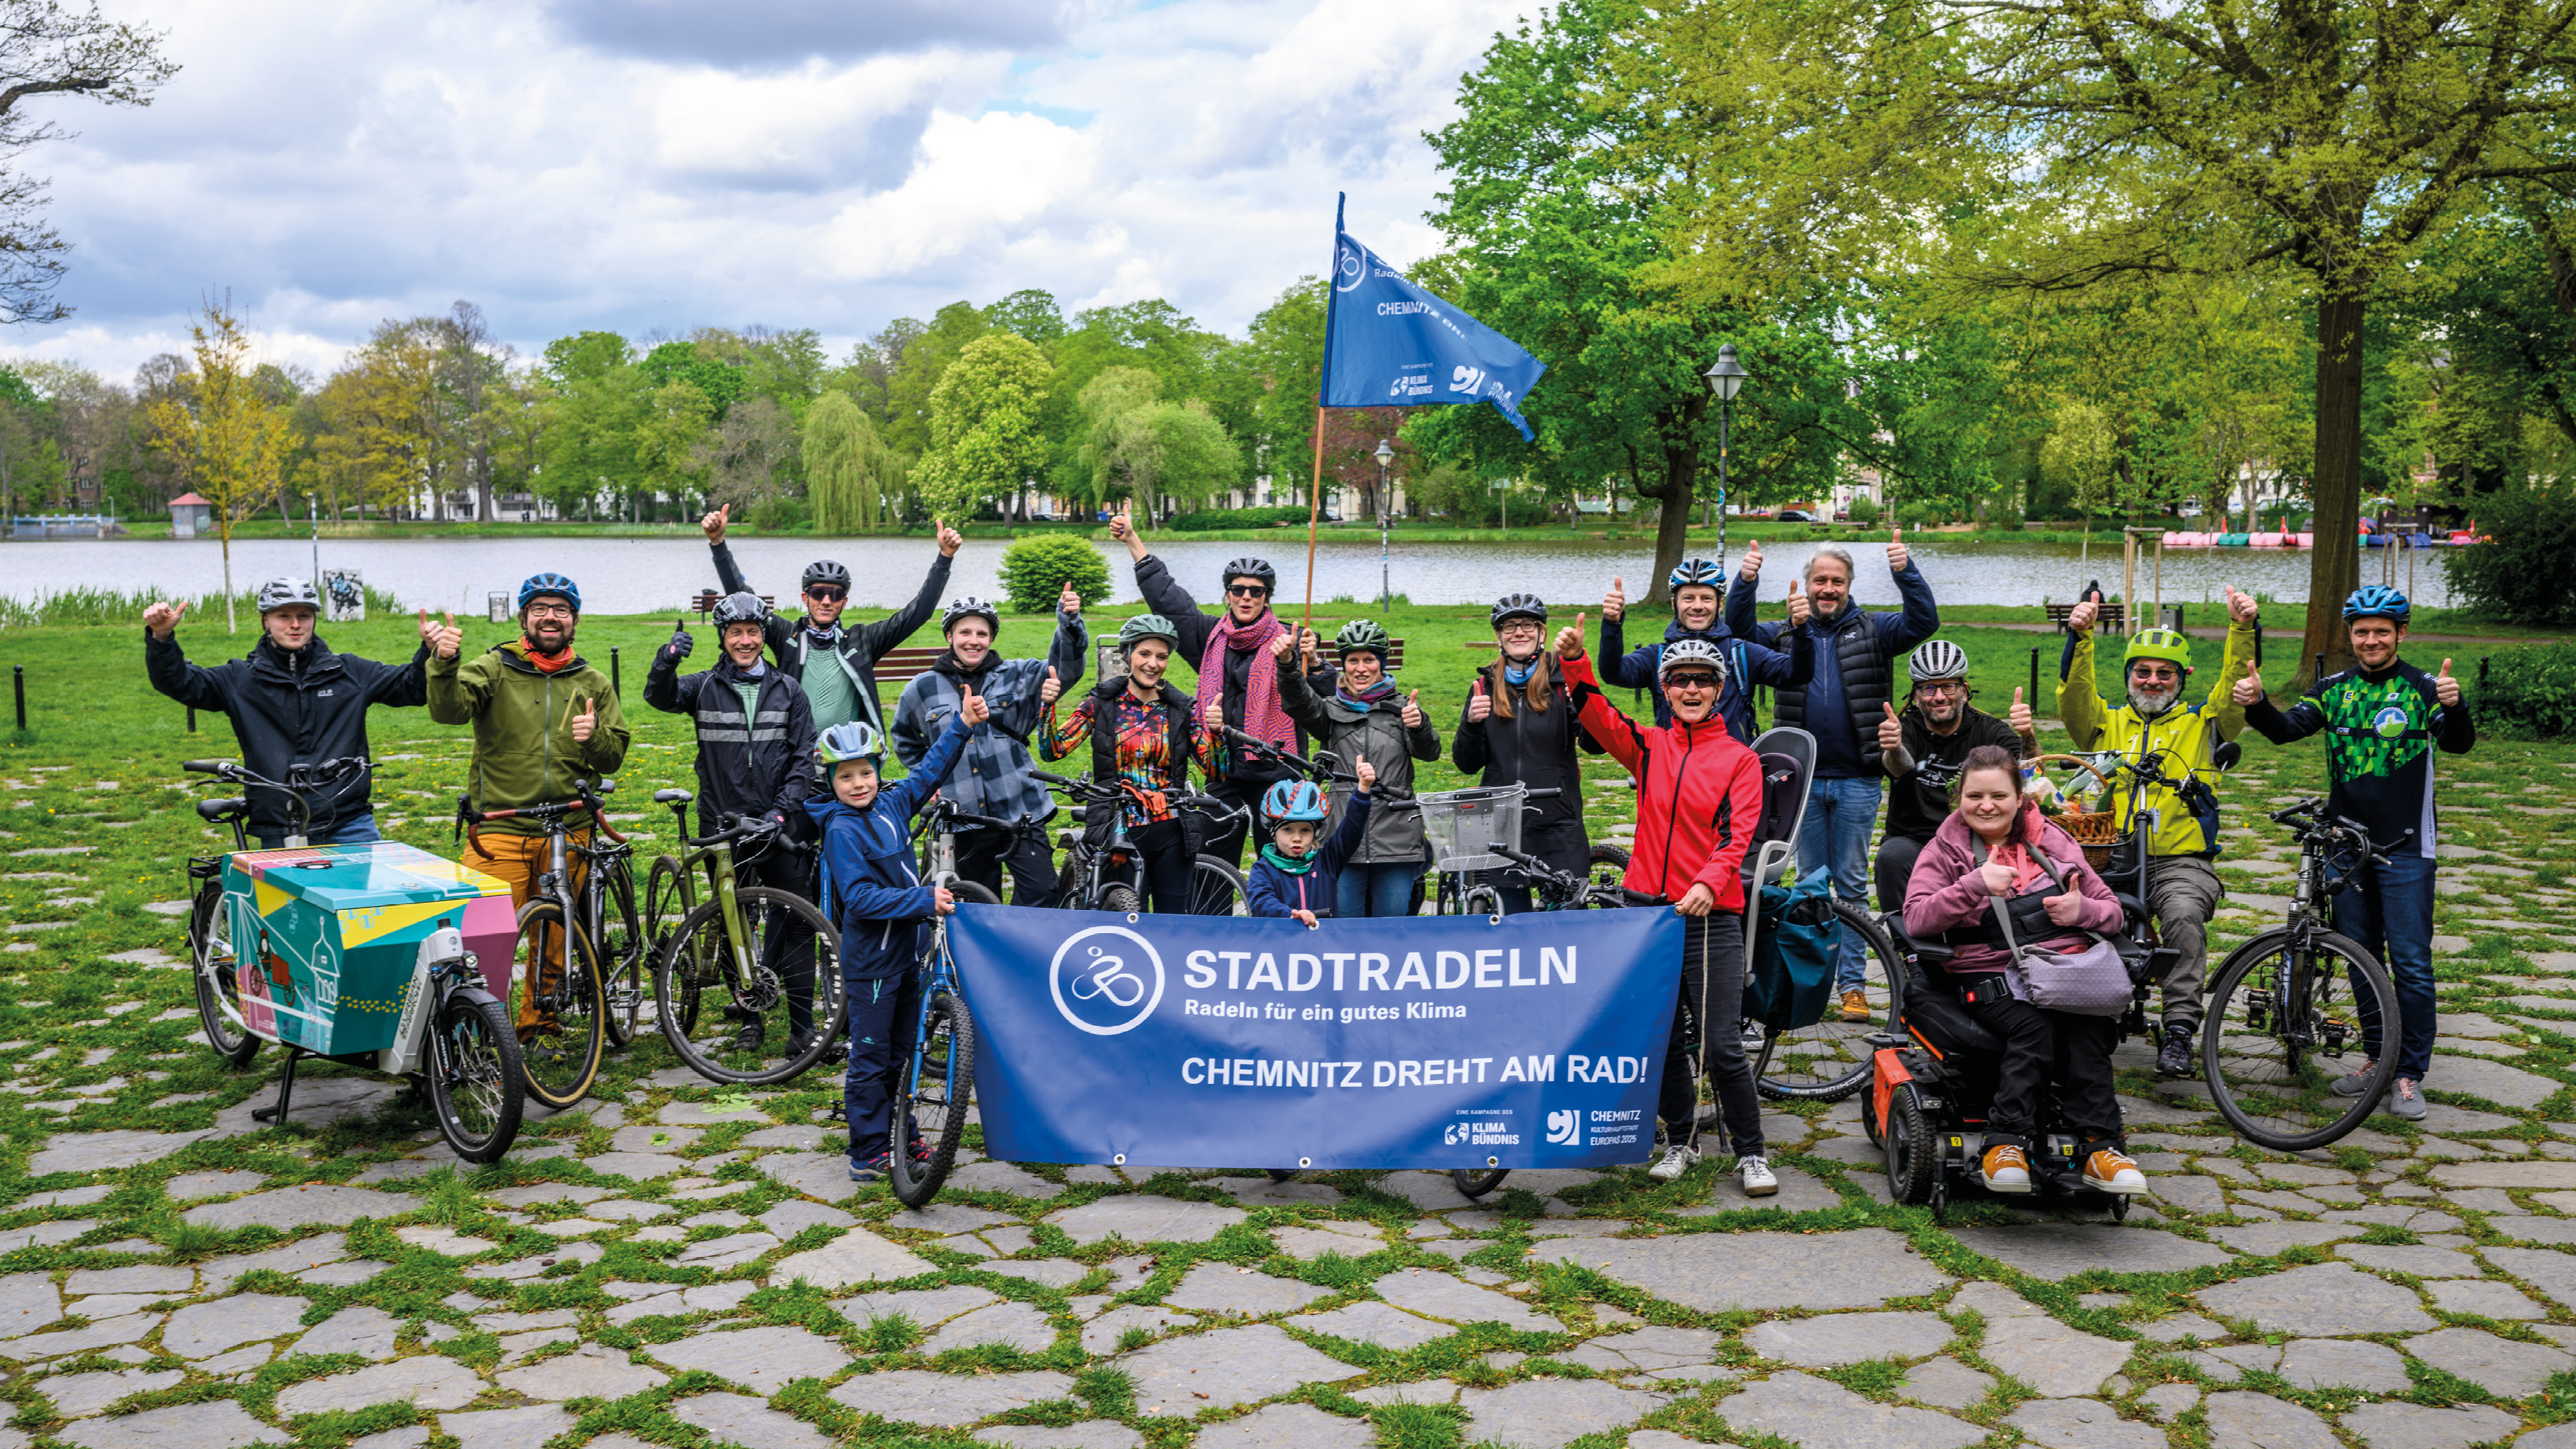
point(1464, 826)
point(2096, 830)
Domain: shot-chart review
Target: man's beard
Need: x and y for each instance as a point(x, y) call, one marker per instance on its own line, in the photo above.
point(1943, 718)
point(2152, 702)
point(530, 638)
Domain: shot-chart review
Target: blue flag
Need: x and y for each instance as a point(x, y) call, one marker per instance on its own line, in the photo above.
point(1389, 343)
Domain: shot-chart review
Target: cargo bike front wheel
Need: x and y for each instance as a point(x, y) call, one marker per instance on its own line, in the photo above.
point(477, 1082)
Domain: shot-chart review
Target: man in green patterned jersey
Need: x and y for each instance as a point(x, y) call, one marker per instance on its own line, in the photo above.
point(2382, 720)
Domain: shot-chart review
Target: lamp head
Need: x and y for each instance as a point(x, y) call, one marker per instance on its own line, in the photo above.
point(1725, 375)
point(1385, 454)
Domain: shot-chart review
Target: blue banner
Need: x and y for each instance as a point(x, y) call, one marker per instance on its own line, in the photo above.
point(1389, 343)
point(1220, 1041)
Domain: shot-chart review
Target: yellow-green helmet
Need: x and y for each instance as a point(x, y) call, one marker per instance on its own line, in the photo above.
point(1363, 634)
point(2164, 644)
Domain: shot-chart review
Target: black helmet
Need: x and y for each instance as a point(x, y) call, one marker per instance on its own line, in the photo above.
point(739, 609)
point(1517, 606)
point(967, 608)
point(826, 572)
point(1252, 568)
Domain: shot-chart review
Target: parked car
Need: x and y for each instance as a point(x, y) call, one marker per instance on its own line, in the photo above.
point(1796, 515)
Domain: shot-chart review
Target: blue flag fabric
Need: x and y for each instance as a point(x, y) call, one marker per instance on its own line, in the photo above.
point(1389, 343)
point(1444, 1042)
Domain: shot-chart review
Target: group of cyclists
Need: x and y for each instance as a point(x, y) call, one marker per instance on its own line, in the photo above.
point(790, 730)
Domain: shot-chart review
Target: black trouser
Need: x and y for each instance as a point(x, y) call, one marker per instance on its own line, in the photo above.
point(1228, 847)
point(2043, 1046)
point(788, 947)
point(981, 854)
point(1713, 984)
point(1894, 867)
point(1167, 866)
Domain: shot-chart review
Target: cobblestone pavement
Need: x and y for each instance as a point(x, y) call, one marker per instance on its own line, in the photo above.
point(681, 1265)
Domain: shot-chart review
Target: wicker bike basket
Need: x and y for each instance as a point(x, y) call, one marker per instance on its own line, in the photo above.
point(2096, 830)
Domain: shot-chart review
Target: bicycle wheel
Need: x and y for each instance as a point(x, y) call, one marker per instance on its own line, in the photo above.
point(476, 1081)
point(625, 940)
point(2283, 1023)
point(1612, 857)
point(556, 1006)
point(932, 1098)
point(1120, 897)
point(1216, 889)
point(210, 954)
point(1828, 1060)
point(747, 1032)
point(1476, 1182)
point(1481, 901)
point(967, 890)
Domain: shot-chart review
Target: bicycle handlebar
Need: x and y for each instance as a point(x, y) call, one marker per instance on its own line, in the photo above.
point(468, 818)
point(743, 828)
point(1532, 865)
point(1320, 767)
point(207, 767)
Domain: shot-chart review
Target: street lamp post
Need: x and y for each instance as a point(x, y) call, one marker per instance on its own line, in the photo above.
point(1385, 597)
point(1725, 376)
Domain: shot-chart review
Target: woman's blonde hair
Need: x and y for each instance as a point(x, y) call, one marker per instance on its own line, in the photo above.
point(1540, 690)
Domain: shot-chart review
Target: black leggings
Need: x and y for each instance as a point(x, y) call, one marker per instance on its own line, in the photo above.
point(1713, 984)
point(789, 946)
point(1168, 867)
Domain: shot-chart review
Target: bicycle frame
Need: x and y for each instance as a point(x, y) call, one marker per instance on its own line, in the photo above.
point(554, 882)
point(714, 853)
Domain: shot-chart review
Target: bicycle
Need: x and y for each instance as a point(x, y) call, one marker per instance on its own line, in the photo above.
point(562, 1001)
point(1110, 876)
point(730, 943)
point(450, 1034)
point(935, 1085)
point(936, 828)
point(2281, 990)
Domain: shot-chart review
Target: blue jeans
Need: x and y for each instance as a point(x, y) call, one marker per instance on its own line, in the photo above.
point(356, 830)
point(1375, 890)
point(1834, 838)
point(2389, 910)
point(884, 1012)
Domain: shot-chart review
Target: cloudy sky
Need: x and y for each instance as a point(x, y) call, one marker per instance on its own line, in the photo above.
point(665, 164)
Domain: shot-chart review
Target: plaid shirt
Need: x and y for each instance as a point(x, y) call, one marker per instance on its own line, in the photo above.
point(992, 777)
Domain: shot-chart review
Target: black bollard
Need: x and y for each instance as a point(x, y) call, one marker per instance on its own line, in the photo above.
point(616, 677)
point(192, 719)
point(2034, 681)
point(18, 682)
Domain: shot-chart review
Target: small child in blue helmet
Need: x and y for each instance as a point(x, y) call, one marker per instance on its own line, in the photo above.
point(1295, 874)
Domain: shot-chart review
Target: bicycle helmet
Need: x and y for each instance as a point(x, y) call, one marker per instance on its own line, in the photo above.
point(1147, 626)
point(857, 740)
point(824, 571)
point(967, 608)
point(1517, 606)
point(540, 585)
point(1696, 653)
point(1293, 800)
point(2377, 601)
point(1252, 568)
point(739, 609)
point(1937, 659)
point(1701, 571)
point(1363, 635)
point(286, 593)
point(2162, 644)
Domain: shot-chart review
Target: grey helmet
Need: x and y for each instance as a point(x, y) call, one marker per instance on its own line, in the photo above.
point(969, 607)
point(285, 593)
point(1697, 654)
point(1252, 568)
point(1937, 659)
point(825, 571)
point(743, 608)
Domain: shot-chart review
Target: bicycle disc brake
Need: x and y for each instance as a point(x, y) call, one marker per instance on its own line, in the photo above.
point(762, 993)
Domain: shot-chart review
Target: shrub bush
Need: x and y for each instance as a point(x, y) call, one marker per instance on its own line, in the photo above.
point(1864, 509)
point(1212, 519)
point(2521, 578)
point(2528, 691)
point(1034, 571)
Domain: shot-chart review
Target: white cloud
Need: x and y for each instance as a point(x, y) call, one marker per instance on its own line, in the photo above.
point(584, 167)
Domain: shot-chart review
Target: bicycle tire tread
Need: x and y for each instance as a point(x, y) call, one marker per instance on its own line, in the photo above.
point(916, 1188)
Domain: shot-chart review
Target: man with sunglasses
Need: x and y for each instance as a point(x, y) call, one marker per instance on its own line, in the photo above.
point(836, 665)
point(1922, 749)
point(2171, 743)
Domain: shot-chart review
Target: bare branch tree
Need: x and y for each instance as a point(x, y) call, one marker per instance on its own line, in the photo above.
point(48, 48)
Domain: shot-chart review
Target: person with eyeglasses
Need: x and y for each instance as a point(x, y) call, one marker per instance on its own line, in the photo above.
point(1238, 676)
point(835, 664)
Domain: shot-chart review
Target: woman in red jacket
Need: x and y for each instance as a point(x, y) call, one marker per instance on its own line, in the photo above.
point(1699, 795)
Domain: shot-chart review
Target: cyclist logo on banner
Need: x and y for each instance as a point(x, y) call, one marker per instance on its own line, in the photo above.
point(1106, 980)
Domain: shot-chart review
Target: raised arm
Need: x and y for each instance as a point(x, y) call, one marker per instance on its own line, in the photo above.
point(1920, 619)
point(875, 639)
point(167, 666)
point(1601, 719)
point(2079, 703)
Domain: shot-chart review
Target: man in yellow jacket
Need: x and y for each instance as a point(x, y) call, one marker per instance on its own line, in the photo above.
point(2170, 743)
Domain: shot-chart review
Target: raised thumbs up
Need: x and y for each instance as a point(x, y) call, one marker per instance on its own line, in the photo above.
point(1569, 640)
point(443, 638)
point(1891, 730)
point(163, 618)
point(1799, 607)
point(1614, 604)
point(973, 709)
point(1412, 714)
point(1897, 557)
point(1480, 705)
point(2019, 717)
point(2250, 688)
point(2445, 688)
point(584, 722)
point(1052, 690)
point(2079, 620)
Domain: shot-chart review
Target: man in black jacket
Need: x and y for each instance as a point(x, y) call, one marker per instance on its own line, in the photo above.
point(836, 666)
point(1922, 749)
point(755, 752)
point(292, 702)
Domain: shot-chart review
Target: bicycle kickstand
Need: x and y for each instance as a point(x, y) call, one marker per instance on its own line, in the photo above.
point(285, 1091)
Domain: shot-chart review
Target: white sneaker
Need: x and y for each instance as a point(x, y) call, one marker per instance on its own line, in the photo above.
point(1755, 1173)
point(1677, 1160)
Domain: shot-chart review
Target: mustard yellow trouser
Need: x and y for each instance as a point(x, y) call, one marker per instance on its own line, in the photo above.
point(519, 860)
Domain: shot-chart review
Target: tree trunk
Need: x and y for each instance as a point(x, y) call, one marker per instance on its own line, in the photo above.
point(2334, 565)
point(1680, 480)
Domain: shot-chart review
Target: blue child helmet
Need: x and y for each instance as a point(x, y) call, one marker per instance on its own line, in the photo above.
point(1292, 800)
point(549, 583)
point(2377, 601)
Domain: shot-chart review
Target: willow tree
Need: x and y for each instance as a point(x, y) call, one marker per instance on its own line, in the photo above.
point(226, 436)
point(850, 473)
point(2061, 144)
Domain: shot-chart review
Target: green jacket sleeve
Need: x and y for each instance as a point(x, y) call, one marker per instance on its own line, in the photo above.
point(456, 695)
point(2079, 704)
point(605, 750)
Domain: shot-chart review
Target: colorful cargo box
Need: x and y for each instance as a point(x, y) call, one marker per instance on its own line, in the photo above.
point(327, 937)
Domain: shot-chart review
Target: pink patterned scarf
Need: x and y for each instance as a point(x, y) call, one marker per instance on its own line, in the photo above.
point(1263, 719)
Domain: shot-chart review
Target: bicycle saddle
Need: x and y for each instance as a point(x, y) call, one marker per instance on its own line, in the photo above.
point(671, 797)
point(221, 809)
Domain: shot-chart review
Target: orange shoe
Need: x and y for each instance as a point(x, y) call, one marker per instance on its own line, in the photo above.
point(2111, 1170)
point(1855, 1006)
point(2006, 1168)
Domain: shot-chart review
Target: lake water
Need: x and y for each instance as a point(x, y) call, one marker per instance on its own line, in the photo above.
point(653, 575)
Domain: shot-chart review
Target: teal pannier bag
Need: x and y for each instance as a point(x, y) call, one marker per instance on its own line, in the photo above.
point(1790, 980)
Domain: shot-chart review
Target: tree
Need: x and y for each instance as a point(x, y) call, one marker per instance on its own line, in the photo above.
point(984, 437)
point(850, 474)
point(1030, 313)
point(2082, 454)
point(590, 426)
point(919, 359)
point(228, 439)
point(49, 49)
point(675, 416)
point(701, 366)
point(744, 455)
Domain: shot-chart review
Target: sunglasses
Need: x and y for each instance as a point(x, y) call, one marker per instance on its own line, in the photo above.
point(827, 595)
point(1690, 681)
point(1247, 591)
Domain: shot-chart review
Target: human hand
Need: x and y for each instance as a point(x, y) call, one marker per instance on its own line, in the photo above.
point(714, 523)
point(443, 639)
point(1312, 644)
point(2019, 716)
point(1411, 714)
point(950, 540)
point(1997, 876)
point(943, 900)
point(681, 643)
point(1751, 569)
point(585, 722)
point(1368, 775)
point(1284, 645)
point(2445, 688)
point(2080, 621)
point(1569, 640)
point(1307, 916)
point(1614, 604)
point(1897, 557)
point(1053, 689)
point(1480, 705)
point(1891, 731)
point(972, 708)
point(2250, 688)
point(1799, 608)
point(1070, 601)
point(2241, 608)
point(1699, 900)
point(2063, 910)
point(1214, 715)
point(162, 618)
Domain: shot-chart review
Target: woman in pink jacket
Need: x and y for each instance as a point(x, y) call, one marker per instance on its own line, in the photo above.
point(1988, 856)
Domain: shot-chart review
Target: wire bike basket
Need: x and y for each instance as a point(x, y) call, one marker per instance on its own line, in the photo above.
point(1464, 826)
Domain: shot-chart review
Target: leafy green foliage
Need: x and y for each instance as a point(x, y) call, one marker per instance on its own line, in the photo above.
point(2522, 575)
point(984, 425)
point(1216, 519)
point(2530, 691)
point(1035, 571)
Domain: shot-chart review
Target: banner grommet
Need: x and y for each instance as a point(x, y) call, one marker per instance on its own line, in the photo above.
point(1118, 1159)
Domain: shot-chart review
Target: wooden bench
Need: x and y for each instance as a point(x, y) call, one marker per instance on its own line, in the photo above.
point(707, 599)
point(912, 659)
point(2113, 617)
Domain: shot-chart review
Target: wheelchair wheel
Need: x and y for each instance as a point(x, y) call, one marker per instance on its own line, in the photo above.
point(1828, 1060)
point(1913, 1150)
point(2284, 1021)
point(1475, 1183)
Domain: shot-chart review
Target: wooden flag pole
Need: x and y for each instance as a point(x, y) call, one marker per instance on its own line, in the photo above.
point(1314, 513)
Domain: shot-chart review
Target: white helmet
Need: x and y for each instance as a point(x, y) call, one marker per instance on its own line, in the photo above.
point(1698, 653)
point(285, 593)
point(1937, 659)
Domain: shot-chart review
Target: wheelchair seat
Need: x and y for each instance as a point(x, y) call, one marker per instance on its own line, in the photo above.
point(671, 797)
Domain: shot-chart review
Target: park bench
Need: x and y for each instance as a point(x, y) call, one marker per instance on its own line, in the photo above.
point(2113, 618)
point(707, 599)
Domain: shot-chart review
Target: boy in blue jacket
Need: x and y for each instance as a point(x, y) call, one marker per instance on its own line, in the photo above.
point(1291, 876)
point(876, 898)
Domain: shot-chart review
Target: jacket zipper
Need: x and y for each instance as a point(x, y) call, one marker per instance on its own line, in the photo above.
point(1672, 814)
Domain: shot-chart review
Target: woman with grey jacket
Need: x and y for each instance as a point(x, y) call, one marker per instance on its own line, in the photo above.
point(1368, 718)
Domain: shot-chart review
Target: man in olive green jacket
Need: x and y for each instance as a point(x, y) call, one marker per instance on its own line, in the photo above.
point(544, 719)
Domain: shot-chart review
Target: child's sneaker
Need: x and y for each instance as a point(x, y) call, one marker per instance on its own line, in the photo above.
point(872, 1170)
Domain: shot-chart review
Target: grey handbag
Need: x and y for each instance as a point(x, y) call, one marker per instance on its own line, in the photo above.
point(2091, 982)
